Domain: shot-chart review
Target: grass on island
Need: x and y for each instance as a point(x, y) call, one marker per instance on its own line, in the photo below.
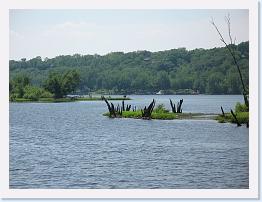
point(242, 117)
point(241, 112)
point(160, 115)
point(68, 99)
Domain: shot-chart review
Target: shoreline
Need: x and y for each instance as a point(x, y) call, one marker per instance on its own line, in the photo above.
point(53, 100)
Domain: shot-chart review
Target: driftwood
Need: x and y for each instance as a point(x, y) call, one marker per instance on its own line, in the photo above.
point(146, 113)
point(123, 105)
point(118, 110)
point(108, 106)
point(113, 112)
point(238, 124)
point(113, 109)
point(173, 106)
point(179, 105)
point(128, 107)
point(223, 113)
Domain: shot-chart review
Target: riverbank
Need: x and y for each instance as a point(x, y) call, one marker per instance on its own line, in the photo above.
point(72, 99)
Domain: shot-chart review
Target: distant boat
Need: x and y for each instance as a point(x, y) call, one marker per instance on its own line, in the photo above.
point(159, 92)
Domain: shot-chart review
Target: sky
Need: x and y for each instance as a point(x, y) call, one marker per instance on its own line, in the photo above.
point(49, 33)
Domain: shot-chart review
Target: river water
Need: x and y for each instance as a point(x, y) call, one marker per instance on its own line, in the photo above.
point(71, 145)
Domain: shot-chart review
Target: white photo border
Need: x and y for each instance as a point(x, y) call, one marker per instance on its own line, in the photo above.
point(251, 193)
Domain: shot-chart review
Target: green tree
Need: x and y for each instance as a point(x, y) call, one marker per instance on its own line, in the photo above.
point(34, 93)
point(62, 84)
point(54, 85)
point(139, 71)
point(163, 81)
point(214, 83)
point(70, 81)
point(17, 85)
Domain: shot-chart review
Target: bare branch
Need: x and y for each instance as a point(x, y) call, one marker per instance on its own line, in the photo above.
point(229, 28)
point(231, 50)
point(221, 37)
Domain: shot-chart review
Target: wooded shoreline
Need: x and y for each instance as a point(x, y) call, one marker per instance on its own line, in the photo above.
point(67, 99)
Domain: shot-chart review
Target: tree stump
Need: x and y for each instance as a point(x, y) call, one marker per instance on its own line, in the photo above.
point(147, 112)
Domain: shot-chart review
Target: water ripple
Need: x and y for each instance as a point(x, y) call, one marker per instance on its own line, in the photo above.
point(70, 145)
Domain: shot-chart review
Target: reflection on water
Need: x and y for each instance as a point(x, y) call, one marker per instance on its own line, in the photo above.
point(71, 145)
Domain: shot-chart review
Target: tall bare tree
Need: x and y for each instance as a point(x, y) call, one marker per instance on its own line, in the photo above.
point(231, 48)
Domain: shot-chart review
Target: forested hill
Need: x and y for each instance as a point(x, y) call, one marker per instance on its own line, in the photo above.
point(209, 71)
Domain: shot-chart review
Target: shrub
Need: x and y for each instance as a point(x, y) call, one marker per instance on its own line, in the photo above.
point(46, 94)
point(242, 117)
point(241, 108)
point(161, 109)
point(12, 97)
point(34, 93)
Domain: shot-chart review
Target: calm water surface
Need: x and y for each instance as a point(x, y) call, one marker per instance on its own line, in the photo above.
point(71, 145)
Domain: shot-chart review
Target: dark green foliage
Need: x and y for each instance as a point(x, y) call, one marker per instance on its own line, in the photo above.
point(21, 89)
point(208, 71)
point(57, 86)
point(17, 85)
point(54, 85)
point(62, 84)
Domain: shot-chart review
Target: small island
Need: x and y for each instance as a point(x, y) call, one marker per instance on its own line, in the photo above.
point(240, 116)
point(165, 115)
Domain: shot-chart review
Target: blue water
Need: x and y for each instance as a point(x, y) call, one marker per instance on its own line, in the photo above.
point(71, 145)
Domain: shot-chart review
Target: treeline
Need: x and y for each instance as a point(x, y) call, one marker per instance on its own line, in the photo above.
point(55, 86)
point(209, 71)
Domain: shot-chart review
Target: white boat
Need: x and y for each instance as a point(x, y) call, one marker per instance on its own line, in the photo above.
point(159, 92)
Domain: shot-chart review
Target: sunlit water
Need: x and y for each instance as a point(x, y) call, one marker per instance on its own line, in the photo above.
point(71, 145)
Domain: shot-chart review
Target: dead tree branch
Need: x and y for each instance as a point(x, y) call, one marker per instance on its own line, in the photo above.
point(232, 53)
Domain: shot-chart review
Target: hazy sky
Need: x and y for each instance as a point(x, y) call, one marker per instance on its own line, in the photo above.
point(49, 33)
